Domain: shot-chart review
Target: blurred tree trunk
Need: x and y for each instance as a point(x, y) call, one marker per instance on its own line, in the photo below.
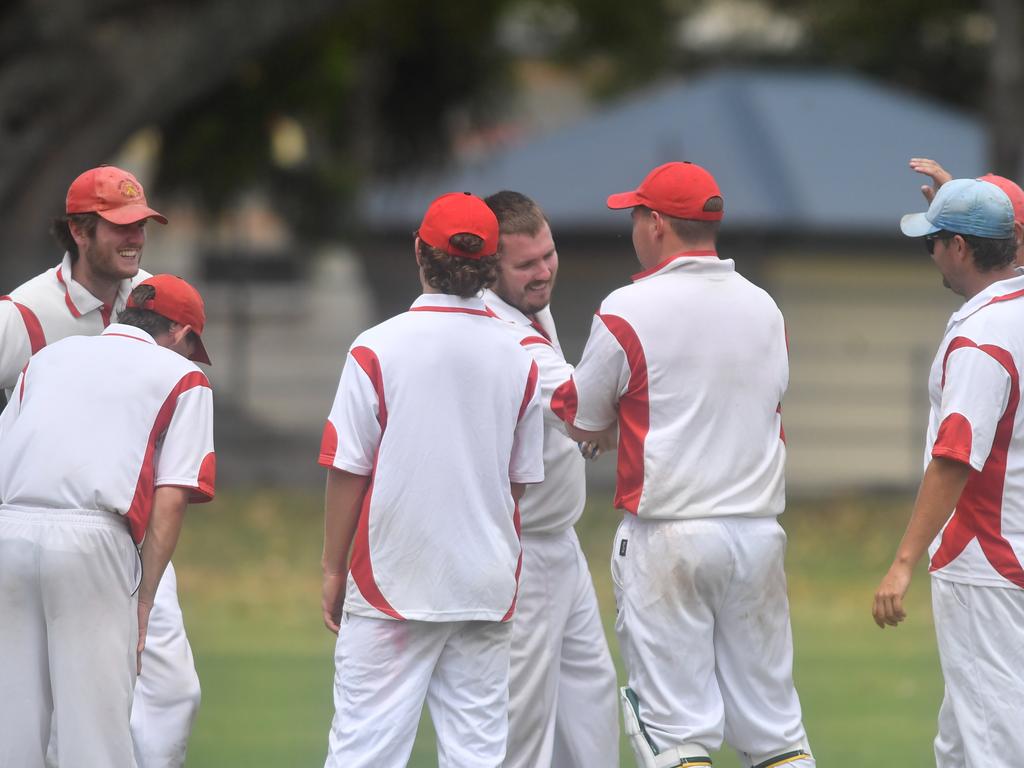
point(78, 77)
point(1006, 89)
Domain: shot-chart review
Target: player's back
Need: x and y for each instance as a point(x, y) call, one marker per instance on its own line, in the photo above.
point(88, 410)
point(451, 385)
point(712, 348)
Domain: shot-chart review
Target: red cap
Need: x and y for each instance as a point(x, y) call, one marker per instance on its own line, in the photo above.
point(114, 194)
point(681, 190)
point(1014, 192)
point(179, 302)
point(459, 213)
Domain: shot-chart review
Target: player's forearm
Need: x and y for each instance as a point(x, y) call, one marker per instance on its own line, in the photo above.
point(943, 482)
point(169, 505)
point(343, 499)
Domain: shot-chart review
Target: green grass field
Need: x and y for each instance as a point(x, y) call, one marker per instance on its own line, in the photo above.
point(248, 570)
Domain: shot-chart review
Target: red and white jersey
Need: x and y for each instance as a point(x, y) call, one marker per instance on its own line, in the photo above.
point(99, 422)
point(47, 308)
point(974, 389)
point(691, 359)
point(557, 503)
point(440, 407)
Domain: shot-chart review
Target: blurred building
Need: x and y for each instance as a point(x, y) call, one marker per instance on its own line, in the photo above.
point(813, 168)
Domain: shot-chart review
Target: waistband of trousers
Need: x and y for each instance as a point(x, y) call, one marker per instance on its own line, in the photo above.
point(94, 518)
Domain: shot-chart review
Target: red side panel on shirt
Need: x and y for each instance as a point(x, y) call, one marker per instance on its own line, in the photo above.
point(634, 417)
point(517, 521)
point(978, 513)
point(142, 501)
point(531, 387)
point(34, 329)
point(328, 444)
point(361, 565)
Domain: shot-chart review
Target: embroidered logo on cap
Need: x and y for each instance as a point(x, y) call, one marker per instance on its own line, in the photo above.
point(128, 189)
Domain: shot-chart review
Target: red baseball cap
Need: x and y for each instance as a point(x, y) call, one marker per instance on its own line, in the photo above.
point(1012, 190)
point(459, 213)
point(179, 302)
point(681, 190)
point(112, 193)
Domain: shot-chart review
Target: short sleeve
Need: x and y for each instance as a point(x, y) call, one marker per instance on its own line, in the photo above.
point(588, 399)
point(975, 394)
point(356, 422)
point(186, 458)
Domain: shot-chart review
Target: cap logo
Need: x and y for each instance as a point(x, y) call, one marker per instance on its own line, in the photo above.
point(129, 190)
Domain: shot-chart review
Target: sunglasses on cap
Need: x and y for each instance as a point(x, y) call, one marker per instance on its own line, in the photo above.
point(929, 240)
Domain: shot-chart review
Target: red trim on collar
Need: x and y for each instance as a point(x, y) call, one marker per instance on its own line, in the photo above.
point(464, 310)
point(129, 336)
point(67, 294)
point(538, 327)
point(670, 259)
point(994, 300)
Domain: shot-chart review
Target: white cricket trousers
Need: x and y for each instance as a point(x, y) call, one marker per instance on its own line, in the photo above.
point(68, 634)
point(384, 669)
point(167, 692)
point(980, 632)
point(703, 625)
point(563, 697)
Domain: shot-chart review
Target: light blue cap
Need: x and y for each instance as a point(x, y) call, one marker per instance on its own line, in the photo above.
point(965, 207)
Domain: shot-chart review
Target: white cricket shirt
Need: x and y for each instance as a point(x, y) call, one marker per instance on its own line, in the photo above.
point(98, 422)
point(440, 407)
point(557, 503)
point(691, 359)
point(50, 307)
point(974, 388)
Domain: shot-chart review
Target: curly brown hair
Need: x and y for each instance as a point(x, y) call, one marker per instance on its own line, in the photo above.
point(458, 275)
point(61, 230)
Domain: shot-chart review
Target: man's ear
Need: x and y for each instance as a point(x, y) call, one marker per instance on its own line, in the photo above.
point(657, 223)
point(178, 331)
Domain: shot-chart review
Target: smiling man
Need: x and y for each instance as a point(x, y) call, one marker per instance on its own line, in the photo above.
point(103, 234)
point(562, 698)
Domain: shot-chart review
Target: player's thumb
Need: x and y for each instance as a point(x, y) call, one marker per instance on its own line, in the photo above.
point(928, 191)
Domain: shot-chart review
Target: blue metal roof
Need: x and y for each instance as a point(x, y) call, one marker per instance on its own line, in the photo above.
point(809, 151)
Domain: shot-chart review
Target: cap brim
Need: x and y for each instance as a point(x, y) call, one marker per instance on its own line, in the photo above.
point(916, 225)
point(624, 200)
point(129, 214)
point(199, 353)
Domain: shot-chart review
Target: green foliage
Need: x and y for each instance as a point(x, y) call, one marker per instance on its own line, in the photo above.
point(248, 570)
point(374, 90)
point(938, 47)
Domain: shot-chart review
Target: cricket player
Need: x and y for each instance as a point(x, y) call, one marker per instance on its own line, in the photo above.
point(969, 513)
point(562, 690)
point(434, 432)
point(690, 363)
point(104, 443)
point(103, 234)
